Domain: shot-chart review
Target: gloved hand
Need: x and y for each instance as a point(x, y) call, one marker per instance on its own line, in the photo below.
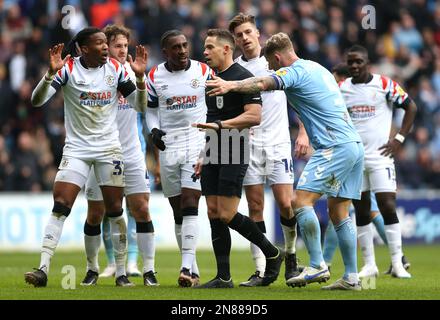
point(156, 135)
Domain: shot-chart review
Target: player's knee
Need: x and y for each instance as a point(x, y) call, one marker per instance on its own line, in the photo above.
point(212, 212)
point(256, 207)
point(113, 206)
point(140, 211)
point(285, 207)
point(189, 199)
point(61, 208)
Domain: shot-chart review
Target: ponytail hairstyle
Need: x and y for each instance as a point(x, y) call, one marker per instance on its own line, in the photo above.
point(80, 39)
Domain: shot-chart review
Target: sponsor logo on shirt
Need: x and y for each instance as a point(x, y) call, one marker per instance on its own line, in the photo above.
point(181, 102)
point(92, 99)
point(281, 72)
point(362, 112)
point(123, 103)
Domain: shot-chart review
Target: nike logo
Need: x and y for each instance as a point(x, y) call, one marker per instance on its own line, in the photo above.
point(313, 276)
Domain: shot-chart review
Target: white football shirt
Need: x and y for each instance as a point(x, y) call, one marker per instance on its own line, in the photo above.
point(180, 97)
point(90, 106)
point(274, 126)
point(371, 109)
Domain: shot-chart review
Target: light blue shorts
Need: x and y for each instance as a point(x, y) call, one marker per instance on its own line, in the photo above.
point(336, 172)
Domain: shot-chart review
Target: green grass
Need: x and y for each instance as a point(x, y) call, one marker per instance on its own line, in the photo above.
point(425, 283)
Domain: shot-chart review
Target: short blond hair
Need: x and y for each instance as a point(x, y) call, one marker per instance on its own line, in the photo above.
point(278, 42)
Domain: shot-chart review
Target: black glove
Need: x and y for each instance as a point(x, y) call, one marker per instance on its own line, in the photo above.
point(156, 135)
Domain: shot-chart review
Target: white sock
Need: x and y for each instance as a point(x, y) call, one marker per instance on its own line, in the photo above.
point(52, 234)
point(147, 249)
point(118, 231)
point(289, 238)
point(189, 240)
point(178, 233)
point(394, 238)
point(365, 237)
point(92, 245)
point(259, 259)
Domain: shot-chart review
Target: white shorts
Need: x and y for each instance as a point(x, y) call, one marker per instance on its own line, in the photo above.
point(379, 177)
point(176, 169)
point(109, 172)
point(273, 163)
point(136, 180)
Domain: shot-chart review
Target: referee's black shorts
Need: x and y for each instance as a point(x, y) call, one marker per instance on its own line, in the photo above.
point(223, 179)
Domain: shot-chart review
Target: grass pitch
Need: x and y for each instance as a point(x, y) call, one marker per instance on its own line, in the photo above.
point(425, 284)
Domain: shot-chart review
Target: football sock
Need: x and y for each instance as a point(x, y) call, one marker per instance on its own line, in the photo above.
point(347, 243)
point(330, 243)
point(248, 229)
point(52, 234)
point(92, 243)
point(118, 229)
point(146, 244)
point(178, 233)
point(132, 252)
point(189, 240)
point(289, 232)
point(257, 254)
point(380, 227)
point(366, 244)
point(311, 233)
point(221, 243)
point(107, 239)
point(394, 237)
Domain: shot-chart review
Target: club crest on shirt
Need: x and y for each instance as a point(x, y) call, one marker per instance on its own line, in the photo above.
point(109, 80)
point(219, 102)
point(194, 83)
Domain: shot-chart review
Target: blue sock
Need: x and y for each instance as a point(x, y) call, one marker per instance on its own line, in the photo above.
point(132, 249)
point(311, 233)
point(106, 237)
point(347, 244)
point(330, 243)
point(380, 227)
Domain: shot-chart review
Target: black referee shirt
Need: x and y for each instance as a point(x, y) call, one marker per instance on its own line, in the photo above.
point(231, 104)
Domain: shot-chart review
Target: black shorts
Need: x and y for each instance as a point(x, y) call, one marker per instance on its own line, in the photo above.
point(223, 179)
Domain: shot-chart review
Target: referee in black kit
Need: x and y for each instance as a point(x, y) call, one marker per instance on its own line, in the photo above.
point(222, 175)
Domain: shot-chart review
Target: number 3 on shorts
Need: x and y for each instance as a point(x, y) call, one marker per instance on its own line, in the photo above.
point(118, 169)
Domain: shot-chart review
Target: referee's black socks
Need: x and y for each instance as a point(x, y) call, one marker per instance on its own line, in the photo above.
point(249, 229)
point(221, 243)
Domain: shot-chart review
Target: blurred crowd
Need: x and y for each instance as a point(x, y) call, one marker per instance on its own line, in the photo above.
point(403, 43)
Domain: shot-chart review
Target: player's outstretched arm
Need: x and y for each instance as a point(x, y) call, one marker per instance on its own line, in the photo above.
point(43, 91)
point(218, 86)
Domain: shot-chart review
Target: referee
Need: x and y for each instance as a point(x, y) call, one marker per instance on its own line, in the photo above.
point(222, 175)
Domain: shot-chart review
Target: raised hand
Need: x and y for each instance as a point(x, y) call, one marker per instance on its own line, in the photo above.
point(55, 60)
point(139, 65)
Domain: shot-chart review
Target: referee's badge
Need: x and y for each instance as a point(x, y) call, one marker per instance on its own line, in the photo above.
point(219, 101)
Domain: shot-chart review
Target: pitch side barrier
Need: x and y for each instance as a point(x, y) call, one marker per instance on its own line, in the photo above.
point(418, 212)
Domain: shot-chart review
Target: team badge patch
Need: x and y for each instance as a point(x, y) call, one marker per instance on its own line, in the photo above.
point(219, 102)
point(194, 83)
point(109, 80)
